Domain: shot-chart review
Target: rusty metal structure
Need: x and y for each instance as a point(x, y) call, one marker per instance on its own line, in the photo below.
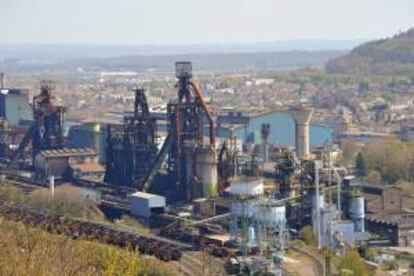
point(132, 150)
point(46, 132)
point(191, 161)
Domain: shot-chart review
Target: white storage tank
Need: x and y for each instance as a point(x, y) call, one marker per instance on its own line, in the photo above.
point(270, 213)
point(242, 208)
point(246, 187)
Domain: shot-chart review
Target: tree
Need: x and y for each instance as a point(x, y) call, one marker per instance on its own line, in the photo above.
point(360, 165)
point(352, 264)
point(374, 177)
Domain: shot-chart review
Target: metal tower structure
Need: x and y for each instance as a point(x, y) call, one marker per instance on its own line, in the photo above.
point(140, 132)
point(47, 129)
point(185, 125)
point(132, 151)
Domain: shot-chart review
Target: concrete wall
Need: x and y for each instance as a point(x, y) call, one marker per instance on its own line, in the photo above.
point(406, 236)
point(407, 202)
point(391, 199)
point(46, 167)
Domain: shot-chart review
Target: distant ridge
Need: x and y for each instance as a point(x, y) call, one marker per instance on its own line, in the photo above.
point(390, 56)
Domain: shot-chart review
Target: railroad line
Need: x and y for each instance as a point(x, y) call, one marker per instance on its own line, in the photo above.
point(85, 230)
point(320, 269)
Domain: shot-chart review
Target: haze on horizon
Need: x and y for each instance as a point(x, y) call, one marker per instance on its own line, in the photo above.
point(199, 21)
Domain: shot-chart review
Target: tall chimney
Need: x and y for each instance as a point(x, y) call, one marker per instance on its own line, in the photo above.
point(302, 119)
point(1, 80)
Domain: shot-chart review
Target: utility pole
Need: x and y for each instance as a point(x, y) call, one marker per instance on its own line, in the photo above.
point(330, 197)
point(318, 203)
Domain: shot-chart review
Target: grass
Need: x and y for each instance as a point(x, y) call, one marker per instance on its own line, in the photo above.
point(31, 251)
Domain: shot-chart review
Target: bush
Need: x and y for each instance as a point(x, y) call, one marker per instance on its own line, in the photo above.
point(374, 177)
point(390, 265)
point(34, 252)
point(371, 254)
point(352, 264)
point(307, 235)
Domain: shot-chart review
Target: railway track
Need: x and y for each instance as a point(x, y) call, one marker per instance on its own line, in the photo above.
point(85, 230)
point(285, 272)
point(318, 265)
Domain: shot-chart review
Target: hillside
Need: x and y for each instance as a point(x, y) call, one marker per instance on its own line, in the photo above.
point(203, 62)
point(31, 251)
point(390, 56)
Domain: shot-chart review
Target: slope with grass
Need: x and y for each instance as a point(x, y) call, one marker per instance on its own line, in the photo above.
point(31, 251)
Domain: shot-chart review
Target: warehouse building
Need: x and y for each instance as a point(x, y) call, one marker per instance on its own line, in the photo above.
point(390, 213)
point(145, 205)
point(58, 162)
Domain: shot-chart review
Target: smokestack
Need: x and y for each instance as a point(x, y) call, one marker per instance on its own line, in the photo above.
point(302, 119)
point(2, 80)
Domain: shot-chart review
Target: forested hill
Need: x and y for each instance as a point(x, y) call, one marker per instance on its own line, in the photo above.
point(390, 56)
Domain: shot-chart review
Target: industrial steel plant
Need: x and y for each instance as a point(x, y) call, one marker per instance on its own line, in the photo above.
point(240, 201)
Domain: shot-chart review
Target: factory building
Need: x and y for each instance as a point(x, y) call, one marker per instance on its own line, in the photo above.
point(397, 228)
point(58, 162)
point(390, 213)
point(145, 205)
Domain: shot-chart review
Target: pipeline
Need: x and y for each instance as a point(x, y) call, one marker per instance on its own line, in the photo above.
point(197, 91)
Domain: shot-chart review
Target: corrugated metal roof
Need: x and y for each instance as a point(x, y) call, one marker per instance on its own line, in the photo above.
point(145, 195)
point(65, 152)
point(88, 167)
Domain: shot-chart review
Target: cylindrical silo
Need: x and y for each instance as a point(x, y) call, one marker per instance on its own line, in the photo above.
point(206, 170)
point(244, 193)
point(357, 212)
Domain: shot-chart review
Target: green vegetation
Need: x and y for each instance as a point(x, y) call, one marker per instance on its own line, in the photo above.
point(391, 161)
point(307, 235)
point(67, 201)
point(210, 190)
point(30, 251)
point(352, 264)
point(390, 56)
point(390, 265)
point(360, 165)
point(371, 254)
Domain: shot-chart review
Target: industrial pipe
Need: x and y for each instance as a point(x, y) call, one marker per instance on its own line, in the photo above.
point(197, 91)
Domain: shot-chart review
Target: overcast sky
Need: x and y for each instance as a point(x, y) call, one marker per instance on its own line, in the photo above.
point(199, 21)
